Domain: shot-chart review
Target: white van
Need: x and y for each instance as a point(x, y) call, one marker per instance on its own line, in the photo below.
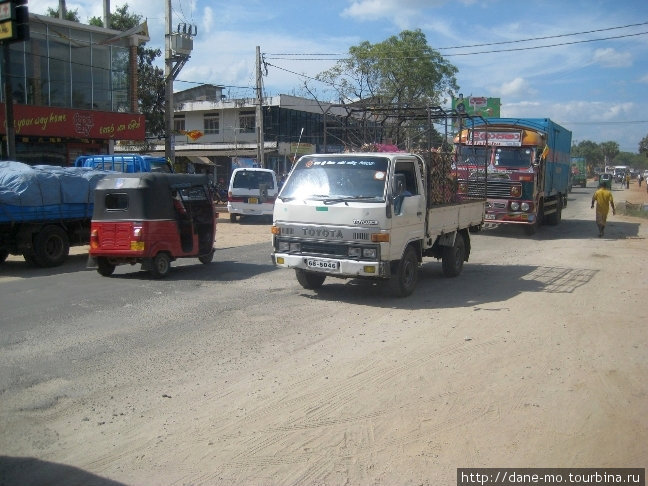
point(252, 191)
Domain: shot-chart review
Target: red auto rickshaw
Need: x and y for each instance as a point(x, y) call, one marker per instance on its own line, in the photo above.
point(152, 219)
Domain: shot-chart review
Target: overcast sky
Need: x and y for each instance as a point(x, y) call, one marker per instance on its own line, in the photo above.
point(588, 73)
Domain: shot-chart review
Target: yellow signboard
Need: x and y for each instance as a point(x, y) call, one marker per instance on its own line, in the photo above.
point(6, 30)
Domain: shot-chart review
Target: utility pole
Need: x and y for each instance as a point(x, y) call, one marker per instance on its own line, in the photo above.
point(169, 140)
point(259, 110)
point(177, 50)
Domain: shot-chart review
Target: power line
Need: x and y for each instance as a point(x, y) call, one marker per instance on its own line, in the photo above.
point(289, 56)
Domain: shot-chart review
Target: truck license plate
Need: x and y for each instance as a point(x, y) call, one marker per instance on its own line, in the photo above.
point(321, 264)
point(253, 200)
point(489, 216)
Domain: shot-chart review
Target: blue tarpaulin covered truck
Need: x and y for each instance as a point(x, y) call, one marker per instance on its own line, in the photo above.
point(527, 168)
point(44, 209)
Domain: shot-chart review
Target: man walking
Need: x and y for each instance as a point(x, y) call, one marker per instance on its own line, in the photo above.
point(603, 198)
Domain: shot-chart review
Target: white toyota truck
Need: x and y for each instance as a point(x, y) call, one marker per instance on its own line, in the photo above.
point(372, 215)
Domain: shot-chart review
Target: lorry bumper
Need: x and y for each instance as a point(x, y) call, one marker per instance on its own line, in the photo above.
point(506, 217)
point(333, 267)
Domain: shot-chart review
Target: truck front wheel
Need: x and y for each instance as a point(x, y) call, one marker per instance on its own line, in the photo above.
point(309, 280)
point(51, 246)
point(404, 274)
point(453, 257)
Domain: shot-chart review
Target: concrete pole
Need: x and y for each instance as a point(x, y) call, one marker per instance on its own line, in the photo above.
point(259, 111)
point(169, 142)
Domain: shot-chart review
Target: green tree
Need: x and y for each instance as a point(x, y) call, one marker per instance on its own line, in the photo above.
point(393, 78)
point(591, 151)
point(71, 15)
point(609, 150)
point(643, 146)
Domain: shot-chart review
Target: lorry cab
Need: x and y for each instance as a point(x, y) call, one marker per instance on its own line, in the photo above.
point(151, 219)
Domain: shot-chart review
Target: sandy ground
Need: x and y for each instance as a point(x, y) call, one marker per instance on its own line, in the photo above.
point(535, 357)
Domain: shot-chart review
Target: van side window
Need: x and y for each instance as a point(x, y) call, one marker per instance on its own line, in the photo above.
point(116, 202)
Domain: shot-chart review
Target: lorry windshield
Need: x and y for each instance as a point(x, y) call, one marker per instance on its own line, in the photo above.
point(471, 155)
point(341, 177)
point(513, 157)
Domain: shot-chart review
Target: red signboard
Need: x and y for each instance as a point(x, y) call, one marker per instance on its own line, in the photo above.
point(45, 121)
point(480, 137)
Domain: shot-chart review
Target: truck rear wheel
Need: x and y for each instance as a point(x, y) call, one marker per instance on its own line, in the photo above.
point(51, 246)
point(453, 257)
point(309, 280)
point(404, 274)
point(554, 218)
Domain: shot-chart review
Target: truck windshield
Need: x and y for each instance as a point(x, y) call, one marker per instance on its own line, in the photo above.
point(518, 157)
point(471, 155)
point(344, 178)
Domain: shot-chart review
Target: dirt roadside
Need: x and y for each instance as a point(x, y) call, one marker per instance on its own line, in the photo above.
point(535, 357)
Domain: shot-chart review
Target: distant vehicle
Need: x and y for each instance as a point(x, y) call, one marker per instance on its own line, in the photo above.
point(607, 179)
point(125, 163)
point(579, 171)
point(252, 191)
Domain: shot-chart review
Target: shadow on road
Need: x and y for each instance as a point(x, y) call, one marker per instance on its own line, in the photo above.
point(568, 229)
point(28, 471)
point(478, 285)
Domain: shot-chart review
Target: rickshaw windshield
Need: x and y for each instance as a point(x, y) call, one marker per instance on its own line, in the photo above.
point(347, 178)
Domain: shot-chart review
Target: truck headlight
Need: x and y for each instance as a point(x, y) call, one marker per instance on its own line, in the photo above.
point(369, 253)
point(295, 247)
point(284, 246)
point(525, 206)
point(515, 206)
point(354, 251)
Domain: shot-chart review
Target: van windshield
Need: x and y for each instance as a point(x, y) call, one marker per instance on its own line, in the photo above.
point(343, 177)
point(252, 179)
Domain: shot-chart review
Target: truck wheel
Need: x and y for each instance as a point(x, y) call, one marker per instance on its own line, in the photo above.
point(309, 280)
point(160, 265)
point(554, 218)
point(51, 246)
point(3, 255)
point(104, 267)
point(206, 258)
point(453, 257)
point(232, 218)
point(404, 274)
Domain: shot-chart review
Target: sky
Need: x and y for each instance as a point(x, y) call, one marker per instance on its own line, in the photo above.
point(582, 63)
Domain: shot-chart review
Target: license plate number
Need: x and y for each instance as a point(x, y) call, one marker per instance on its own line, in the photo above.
point(489, 216)
point(322, 264)
point(253, 200)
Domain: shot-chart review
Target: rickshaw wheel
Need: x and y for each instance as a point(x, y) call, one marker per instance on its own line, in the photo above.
point(160, 265)
point(206, 258)
point(104, 267)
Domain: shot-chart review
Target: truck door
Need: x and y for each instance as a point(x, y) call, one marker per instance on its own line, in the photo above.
point(409, 207)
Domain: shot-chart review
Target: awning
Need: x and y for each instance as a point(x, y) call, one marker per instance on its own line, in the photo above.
point(199, 160)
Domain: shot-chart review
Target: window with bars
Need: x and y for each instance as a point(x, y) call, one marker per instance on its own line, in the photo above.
point(247, 121)
point(178, 124)
point(211, 123)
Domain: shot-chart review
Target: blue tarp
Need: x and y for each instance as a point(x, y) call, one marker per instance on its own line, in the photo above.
point(46, 191)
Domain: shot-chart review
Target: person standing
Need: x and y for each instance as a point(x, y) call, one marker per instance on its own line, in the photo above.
point(627, 180)
point(604, 200)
